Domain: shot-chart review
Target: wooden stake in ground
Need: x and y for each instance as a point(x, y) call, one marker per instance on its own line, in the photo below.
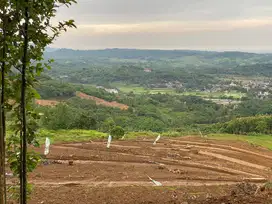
point(157, 183)
point(47, 146)
point(200, 133)
point(109, 141)
point(157, 139)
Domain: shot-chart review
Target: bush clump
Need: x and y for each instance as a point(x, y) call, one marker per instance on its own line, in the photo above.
point(117, 132)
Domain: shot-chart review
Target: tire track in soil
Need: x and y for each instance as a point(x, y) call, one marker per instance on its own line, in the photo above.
point(100, 144)
point(119, 153)
point(221, 150)
point(125, 163)
point(151, 164)
point(188, 164)
point(121, 146)
point(171, 163)
point(222, 147)
point(194, 164)
point(233, 160)
point(203, 147)
point(213, 168)
point(226, 158)
point(91, 183)
point(218, 156)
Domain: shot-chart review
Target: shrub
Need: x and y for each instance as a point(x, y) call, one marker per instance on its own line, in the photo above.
point(256, 124)
point(117, 132)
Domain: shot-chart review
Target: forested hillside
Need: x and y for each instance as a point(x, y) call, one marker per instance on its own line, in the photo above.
point(156, 68)
point(163, 90)
point(146, 112)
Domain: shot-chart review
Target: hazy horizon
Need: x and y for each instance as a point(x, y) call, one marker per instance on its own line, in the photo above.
point(131, 48)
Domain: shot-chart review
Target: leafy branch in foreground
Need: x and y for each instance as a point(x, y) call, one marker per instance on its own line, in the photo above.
point(31, 30)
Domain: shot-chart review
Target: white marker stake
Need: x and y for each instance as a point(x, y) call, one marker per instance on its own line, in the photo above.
point(109, 141)
point(47, 145)
point(155, 182)
point(157, 139)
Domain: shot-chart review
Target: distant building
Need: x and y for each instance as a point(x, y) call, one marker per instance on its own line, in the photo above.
point(233, 84)
point(115, 91)
point(147, 70)
point(263, 94)
point(63, 77)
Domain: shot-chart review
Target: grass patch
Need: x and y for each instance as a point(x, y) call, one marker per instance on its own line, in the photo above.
point(57, 136)
point(268, 185)
point(131, 88)
point(260, 140)
point(134, 135)
point(215, 95)
point(140, 90)
point(163, 91)
point(149, 134)
point(69, 135)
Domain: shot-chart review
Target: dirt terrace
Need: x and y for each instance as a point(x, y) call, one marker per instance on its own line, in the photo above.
point(46, 102)
point(102, 102)
point(190, 169)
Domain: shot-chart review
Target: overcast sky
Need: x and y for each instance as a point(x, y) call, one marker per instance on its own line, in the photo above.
point(169, 24)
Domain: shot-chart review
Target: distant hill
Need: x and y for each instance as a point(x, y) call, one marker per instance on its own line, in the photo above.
point(190, 69)
point(146, 54)
point(50, 49)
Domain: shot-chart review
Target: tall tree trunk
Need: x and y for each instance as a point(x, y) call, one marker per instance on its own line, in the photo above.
point(23, 108)
point(2, 161)
point(2, 117)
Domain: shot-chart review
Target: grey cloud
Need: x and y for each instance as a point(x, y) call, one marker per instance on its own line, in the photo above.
point(235, 39)
point(211, 24)
point(115, 11)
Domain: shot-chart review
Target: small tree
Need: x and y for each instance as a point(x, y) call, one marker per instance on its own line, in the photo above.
point(117, 132)
point(107, 125)
point(26, 29)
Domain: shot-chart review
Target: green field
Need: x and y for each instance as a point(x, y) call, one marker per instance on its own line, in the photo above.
point(130, 88)
point(137, 89)
point(234, 94)
point(140, 90)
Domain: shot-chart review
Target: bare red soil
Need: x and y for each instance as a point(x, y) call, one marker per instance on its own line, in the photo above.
point(191, 170)
point(102, 102)
point(46, 102)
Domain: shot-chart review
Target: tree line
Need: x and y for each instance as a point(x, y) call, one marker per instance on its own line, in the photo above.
point(260, 124)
